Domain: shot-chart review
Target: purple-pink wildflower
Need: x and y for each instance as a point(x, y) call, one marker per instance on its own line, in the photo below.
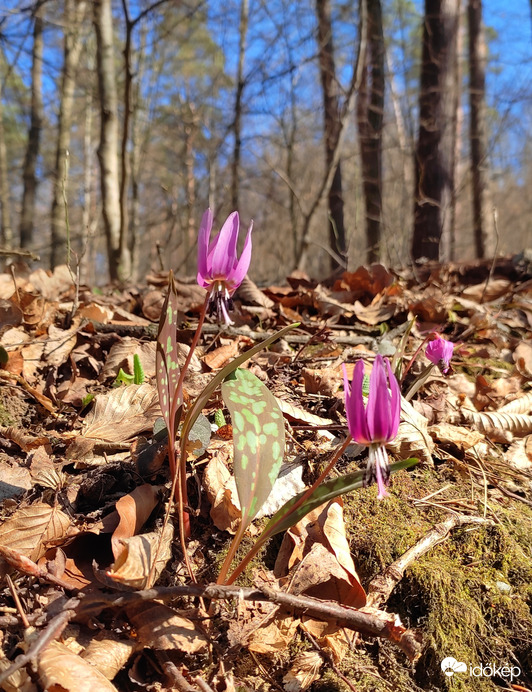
point(220, 270)
point(440, 351)
point(376, 423)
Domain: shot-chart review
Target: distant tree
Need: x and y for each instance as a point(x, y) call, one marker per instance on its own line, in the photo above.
point(332, 127)
point(370, 111)
point(483, 222)
point(433, 156)
point(29, 176)
point(109, 142)
point(74, 14)
point(5, 201)
point(239, 92)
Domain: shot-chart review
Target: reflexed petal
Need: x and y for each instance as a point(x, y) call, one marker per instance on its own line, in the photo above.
point(378, 409)
point(222, 258)
point(354, 405)
point(395, 404)
point(239, 271)
point(203, 246)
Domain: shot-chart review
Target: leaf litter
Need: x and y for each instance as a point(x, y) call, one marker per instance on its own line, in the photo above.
point(449, 553)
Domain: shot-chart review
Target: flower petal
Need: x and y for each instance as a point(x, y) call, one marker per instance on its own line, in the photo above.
point(239, 271)
point(203, 246)
point(354, 405)
point(395, 403)
point(222, 258)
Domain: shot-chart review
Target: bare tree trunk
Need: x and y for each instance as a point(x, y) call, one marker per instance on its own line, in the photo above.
point(108, 147)
point(449, 244)
point(370, 111)
point(433, 157)
point(74, 13)
point(86, 222)
point(237, 124)
point(332, 126)
point(5, 200)
point(483, 223)
point(27, 214)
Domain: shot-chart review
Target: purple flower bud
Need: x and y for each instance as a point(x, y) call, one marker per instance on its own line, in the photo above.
point(376, 423)
point(440, 351)
point(220, 270)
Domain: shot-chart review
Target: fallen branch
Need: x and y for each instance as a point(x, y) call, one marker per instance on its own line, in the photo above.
point(383, 584)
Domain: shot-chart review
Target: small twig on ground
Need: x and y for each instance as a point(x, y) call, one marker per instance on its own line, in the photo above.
point(383, 584)
point(330, 662)
point(179, 680)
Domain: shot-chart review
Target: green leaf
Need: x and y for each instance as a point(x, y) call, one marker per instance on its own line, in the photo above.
point(258, 438)
point(285, 517)
point(219, 418)
point(122, 378)
point(166, 361)
point(138, 371)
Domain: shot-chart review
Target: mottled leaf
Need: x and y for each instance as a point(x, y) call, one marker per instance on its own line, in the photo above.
point(258, 438)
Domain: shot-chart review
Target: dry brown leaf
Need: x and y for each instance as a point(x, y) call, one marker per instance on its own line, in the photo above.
point(494, 422)
point(122, 354)
point(19, 681)
point(59, 344)
point(14, 480)
point(108, 653)
point(221, 491)
point(521, 405)
point(23, 440)
point(95, 312)
point(316, 553)
point(160, 627)
point(523, 359)
point(52, 284)
point(133, 510)
point(519, 454)
point(375, 313)
point(10, 314)
point(220, 356)
point(43, 470)
point(304, 670)
point(301, 416)
point(60, 670)
point(31, 528)
point(495, 288)
point(412, 438)
point(273, 637)
point(463, 438)
point(133, 565)
point(122, 413)
point(324, 381)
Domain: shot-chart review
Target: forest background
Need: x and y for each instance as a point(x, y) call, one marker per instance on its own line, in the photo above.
point(120, 122)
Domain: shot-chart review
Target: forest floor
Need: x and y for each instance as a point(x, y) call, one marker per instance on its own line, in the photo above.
point(441, 568)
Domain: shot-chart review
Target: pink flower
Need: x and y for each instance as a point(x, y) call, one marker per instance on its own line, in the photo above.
point(377, 423)
point(220, 270)
point(440, 351)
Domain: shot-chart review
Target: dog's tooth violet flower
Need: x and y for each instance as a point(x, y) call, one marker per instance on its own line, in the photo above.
point(440, 351)
point(220, 270)
point(376, 423)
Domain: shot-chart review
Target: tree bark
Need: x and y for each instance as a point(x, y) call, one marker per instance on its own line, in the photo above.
point(433, 156)
point(27, 214)
point(332, 127)
point(108, 147)
point(237, 124)
point(449, 244)
point(60, 240)
point(5, 199)
point(370, 111)
point(483, 223)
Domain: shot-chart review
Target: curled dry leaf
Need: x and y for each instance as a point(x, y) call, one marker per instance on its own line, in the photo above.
point(133, 510)
point(305, 670)
point(19, 681)
point(413, 439)
point(221, 491)
point(122, 355)
point(493, 422)
point(523, 359)
point(14, 480)
point(59, 344)
point(122, 413)
point(521, 405)
point(60, 669)
point(31, 528)
point(108, 653)
point(160, 627)
point(463, 438)
point(519, 454)
point(133, 565)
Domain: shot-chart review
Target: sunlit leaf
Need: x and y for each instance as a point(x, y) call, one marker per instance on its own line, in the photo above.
point(166, 359)
point(258, 438)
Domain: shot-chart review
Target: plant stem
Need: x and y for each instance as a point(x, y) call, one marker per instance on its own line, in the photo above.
point(232, 550)
point(262, 539)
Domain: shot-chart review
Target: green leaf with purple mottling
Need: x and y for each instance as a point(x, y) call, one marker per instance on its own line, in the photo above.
point(258, 438)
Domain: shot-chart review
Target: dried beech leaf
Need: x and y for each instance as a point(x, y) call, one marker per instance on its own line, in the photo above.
point(221, 491)
point(489, 421)
point(412, 437)
point(521, 405)
point(122, 413)
point(305, 670)
point(121, 356)
point(519, 454)
point(133, 510)
point(29, 529)
point(19, 681)
point(14, 480)
point(302, 416)
point(59, 344)
point(160, 627)
point(60, 670)
point(133, 566)
point(109, 654)
point(463, 438)
point(23, 440)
